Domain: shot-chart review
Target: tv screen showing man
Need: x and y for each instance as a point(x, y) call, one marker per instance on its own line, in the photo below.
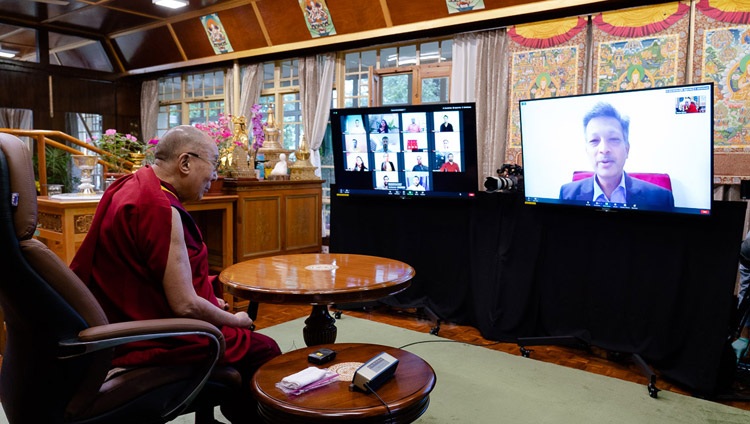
point(607, 144)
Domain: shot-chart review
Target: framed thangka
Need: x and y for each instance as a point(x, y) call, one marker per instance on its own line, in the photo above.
point(637, 63)
point(553, 69)
point(725, 62)
point(216, 34)
point(458, 6)
point(641, 47)
point(722, 55)
point(317, 18)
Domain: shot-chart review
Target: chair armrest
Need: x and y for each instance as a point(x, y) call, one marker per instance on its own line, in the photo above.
point(112, 335)
point(108, 336)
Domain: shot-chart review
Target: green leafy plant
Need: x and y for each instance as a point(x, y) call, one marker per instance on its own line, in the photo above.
point(58, 168)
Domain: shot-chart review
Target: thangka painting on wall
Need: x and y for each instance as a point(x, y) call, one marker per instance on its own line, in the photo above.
point(216, 34)
point(317, 18)
point(553, 67)
point(457, 6)
point(641, 47)
point(722, 55)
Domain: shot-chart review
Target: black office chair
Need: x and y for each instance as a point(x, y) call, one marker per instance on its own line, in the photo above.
point(57, 367)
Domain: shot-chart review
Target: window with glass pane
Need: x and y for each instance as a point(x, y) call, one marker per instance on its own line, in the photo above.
point(289, 73)
point(407, 55)
point(388, 57)
point(202, 112)
point(435, 90)
point(446, 51)
point(269, 76)
point(204, 84)
point(356, 75)
point(397, 89)
point(169, 116)
point(429, 53)
point(88, 125)
point(292, 121)
point(170, 88)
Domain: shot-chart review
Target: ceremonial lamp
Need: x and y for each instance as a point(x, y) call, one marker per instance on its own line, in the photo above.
point(86, 164)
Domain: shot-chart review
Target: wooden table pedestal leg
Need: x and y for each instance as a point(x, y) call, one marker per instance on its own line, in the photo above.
point(319, 327)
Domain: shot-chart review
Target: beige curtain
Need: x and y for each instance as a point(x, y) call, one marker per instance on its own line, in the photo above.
point(229, 96)
point(492, 100)
point(464, 68)
point(149, 109)
point(20, 119)
point(316, 85)
point(252, 83)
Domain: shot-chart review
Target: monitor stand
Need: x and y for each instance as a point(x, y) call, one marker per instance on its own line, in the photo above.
point(579, 343)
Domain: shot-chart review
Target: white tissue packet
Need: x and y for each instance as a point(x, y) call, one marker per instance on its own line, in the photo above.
point(308, 379)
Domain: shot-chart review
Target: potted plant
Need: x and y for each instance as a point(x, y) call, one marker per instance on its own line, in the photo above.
point(57, 167)
point(120, 147)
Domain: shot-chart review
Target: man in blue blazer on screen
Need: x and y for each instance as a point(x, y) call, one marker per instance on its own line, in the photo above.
point(607, 146)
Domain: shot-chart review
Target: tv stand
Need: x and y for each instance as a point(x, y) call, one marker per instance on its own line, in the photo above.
point(579, 343)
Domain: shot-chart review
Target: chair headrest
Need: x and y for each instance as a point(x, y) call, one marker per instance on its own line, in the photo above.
point(22, 186)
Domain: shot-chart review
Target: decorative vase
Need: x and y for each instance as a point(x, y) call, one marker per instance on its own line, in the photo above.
point(137, 159)
point(86, 164)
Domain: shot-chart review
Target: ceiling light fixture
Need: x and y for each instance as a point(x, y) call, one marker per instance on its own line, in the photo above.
point(55, 2)
point(7, 53)
point(172, 4)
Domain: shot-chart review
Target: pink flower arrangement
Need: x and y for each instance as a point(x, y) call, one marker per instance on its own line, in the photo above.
point(220, 131)
point(117, 146)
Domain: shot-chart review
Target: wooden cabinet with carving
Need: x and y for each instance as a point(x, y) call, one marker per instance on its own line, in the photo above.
point(276, 217)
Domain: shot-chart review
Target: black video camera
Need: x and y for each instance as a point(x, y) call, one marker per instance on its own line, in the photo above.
point(509, 178)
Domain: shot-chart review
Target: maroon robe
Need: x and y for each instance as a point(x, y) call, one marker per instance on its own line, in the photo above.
point(123, 259)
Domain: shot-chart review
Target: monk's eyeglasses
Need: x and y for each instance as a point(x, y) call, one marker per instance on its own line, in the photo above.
point(215, 164)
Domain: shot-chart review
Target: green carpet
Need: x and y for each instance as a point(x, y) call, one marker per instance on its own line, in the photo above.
point(477, 385)
point(480, 385)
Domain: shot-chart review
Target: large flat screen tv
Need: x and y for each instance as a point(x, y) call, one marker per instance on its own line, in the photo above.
point(406, 151)
point(641, 150)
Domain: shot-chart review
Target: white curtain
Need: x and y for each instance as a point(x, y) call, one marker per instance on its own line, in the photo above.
point(492, 100)
point(316, 85)
point(149, 109)
point(464, 68)
point(252, 83)
point(229, 93)
point(19, 119)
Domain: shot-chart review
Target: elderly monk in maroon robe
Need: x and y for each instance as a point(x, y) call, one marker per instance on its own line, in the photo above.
point(144, 258)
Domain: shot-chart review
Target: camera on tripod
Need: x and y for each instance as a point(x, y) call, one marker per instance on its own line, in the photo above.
point(509, 178)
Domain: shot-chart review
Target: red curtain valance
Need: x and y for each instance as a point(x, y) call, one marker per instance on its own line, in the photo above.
point(547, 34)
point(641, 21)
point(736, 11)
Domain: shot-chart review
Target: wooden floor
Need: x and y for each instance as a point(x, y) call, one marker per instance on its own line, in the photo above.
point(592, 361)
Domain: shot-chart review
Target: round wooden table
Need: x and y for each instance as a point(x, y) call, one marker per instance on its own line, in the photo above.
point(317, 279)
point(407, 393)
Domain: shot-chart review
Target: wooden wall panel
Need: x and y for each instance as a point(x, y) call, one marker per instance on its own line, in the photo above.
point(85, 96)
point(284, 24)
point(408, 12)
point(192, 38)
point(243, 29)
point(23, 90)
point(350, 16)
point(148, 48)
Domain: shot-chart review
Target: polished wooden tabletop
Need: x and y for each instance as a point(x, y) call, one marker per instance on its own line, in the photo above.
point(406, 393)
point(316, 278)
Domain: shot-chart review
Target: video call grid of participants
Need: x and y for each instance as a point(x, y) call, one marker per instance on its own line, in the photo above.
point(380, 144)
